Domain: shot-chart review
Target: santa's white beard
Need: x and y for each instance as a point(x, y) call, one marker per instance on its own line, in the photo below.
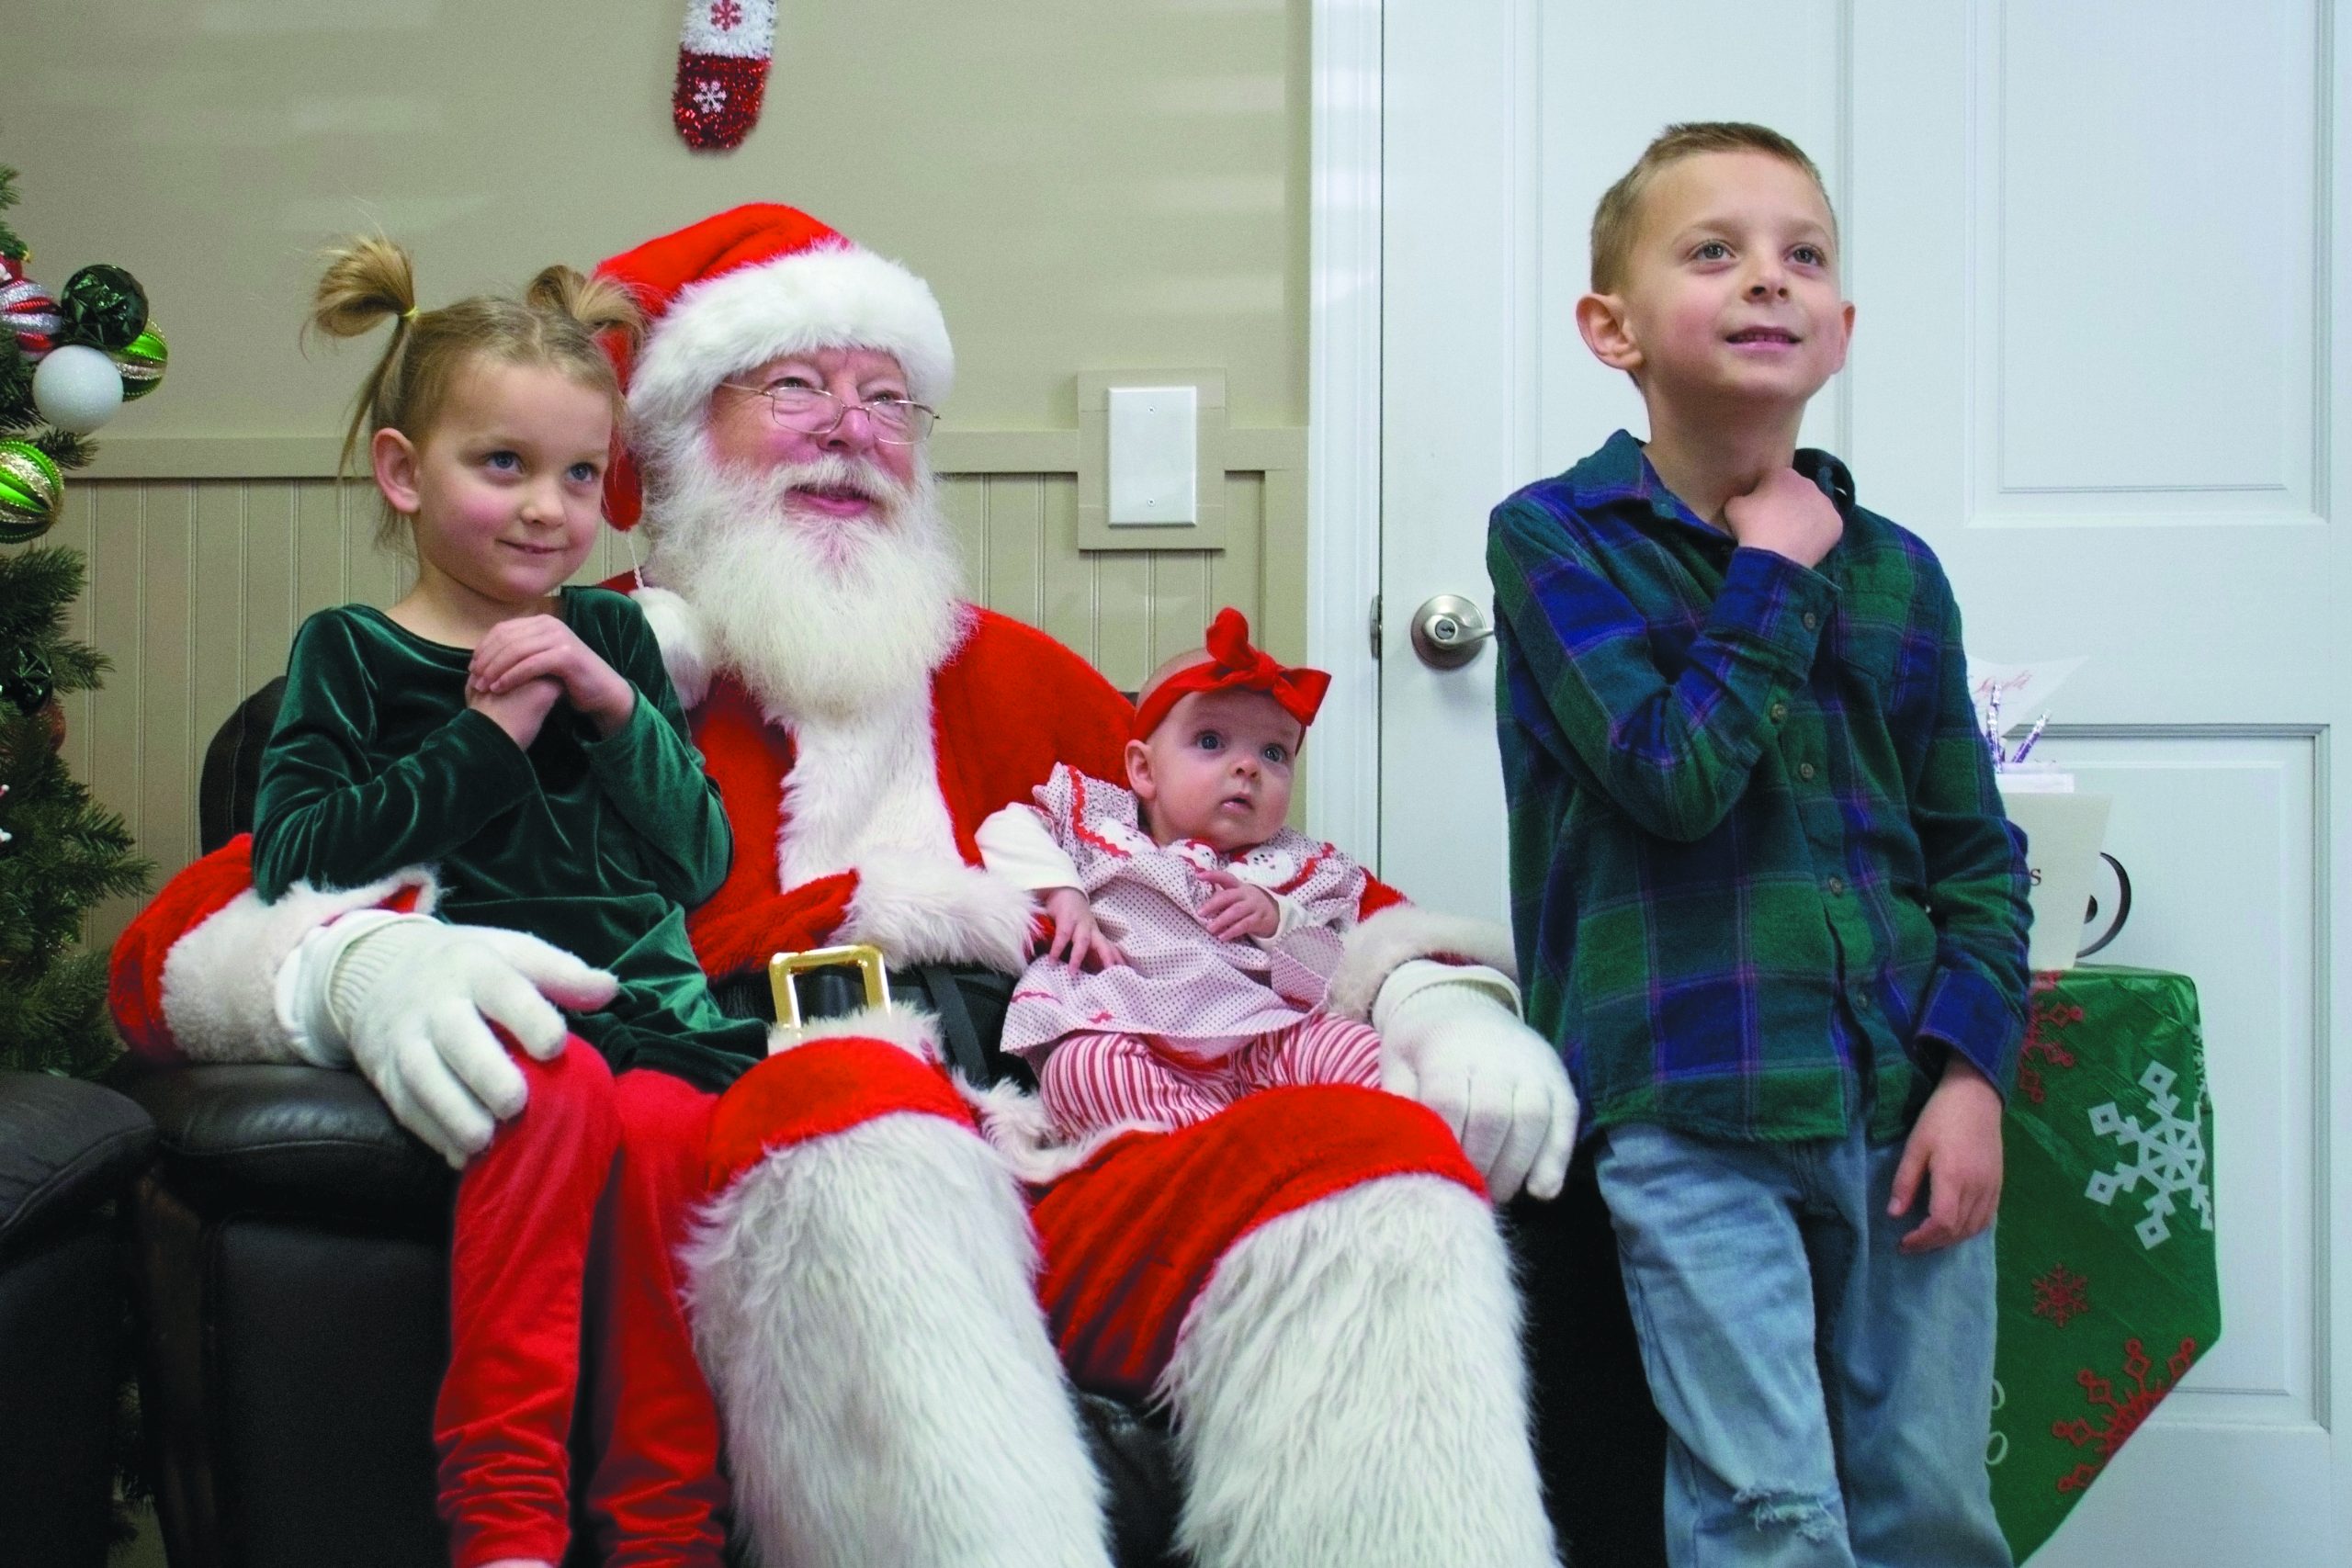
point(815, 615)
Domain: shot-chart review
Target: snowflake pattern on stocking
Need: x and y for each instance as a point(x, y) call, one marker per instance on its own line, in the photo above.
point(2061, 1294)
point(2168, 1155)
point(723, 58)
point(2116, 1416)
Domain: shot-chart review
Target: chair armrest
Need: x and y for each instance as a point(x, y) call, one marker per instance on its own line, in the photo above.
point(65, 1146)
point(291, 1142)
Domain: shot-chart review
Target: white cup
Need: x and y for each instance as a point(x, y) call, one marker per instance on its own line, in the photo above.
point(2063, 835)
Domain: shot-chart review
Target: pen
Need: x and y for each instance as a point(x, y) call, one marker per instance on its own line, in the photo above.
point(2030, 737)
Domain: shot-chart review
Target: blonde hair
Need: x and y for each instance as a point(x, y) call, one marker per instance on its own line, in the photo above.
point(554, 325)
point(1616, 221)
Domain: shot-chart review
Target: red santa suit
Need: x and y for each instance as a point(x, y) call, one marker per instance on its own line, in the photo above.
point(1312, 1281)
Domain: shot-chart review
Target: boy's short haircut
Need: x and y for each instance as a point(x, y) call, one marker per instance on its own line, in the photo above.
point(1617, 220)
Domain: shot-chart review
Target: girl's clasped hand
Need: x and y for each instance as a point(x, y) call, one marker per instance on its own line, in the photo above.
point(522, 666)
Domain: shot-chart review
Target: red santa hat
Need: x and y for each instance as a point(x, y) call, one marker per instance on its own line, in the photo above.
point(733, 292)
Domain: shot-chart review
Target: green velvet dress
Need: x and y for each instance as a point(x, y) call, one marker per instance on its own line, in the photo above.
point(599, 845)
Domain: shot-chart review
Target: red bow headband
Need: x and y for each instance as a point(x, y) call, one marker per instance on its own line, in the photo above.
point(1235, 666)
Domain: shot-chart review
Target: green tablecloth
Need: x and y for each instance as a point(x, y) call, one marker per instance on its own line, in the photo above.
point(2108, 1288)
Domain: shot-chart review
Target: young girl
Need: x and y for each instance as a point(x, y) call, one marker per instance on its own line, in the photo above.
point(1195, 935)
point(523, 737)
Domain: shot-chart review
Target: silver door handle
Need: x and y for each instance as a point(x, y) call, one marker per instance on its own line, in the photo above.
point(1447, 631)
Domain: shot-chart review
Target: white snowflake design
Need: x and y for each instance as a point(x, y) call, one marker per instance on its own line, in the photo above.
point(709, 96)
point(2168, 1154)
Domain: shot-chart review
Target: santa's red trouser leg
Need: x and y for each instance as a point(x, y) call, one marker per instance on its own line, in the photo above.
point(1314, 1281)
point(525, 1206)
point(656, 1498)
point(865, 1307)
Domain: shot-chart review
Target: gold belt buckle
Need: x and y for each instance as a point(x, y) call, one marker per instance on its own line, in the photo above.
point(784, 968)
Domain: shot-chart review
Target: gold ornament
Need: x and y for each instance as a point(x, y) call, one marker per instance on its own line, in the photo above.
point(31, 491)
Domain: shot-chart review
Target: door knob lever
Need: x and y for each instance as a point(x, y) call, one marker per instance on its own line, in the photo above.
point(1447, 631)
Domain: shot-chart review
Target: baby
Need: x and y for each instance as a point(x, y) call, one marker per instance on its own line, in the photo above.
point(1195, 935)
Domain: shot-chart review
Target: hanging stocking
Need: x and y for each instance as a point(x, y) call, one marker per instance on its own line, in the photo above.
point(722, 70)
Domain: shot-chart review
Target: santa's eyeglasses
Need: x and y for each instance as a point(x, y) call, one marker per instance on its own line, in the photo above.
point(812, 410)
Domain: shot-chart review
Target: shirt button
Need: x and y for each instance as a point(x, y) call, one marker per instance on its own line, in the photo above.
point(1836, 887)
point(1780, 711)
point(1804, 770)
point(1812, 621)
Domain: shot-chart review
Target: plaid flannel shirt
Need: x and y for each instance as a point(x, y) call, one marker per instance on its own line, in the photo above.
point(1760, 876)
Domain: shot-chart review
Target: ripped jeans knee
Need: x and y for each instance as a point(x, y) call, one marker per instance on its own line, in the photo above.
point(1813, 1515)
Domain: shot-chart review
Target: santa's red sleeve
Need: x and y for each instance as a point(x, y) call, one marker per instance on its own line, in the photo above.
point(194, 977)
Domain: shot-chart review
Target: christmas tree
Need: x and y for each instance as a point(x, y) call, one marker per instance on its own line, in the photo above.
point(60, 853)
point(67, 363)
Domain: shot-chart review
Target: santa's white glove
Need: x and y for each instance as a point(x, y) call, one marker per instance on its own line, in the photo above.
point(1458, 1048)
point(408, 1001)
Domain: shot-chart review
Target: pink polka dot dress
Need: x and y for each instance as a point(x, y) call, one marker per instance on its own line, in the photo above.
point(1204, 997)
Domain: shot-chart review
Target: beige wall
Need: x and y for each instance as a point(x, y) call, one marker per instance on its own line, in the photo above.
point(1114, 185)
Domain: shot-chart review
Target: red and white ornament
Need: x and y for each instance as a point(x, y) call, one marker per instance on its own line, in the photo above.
point(27, 311)
point(723, 53)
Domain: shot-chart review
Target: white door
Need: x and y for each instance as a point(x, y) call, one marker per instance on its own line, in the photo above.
point(2100, 253)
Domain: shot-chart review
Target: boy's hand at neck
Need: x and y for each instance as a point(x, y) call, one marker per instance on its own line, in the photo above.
point(1710, 458)
point(1750, 491)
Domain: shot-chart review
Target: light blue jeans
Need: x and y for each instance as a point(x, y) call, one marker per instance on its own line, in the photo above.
point(1828, 1398)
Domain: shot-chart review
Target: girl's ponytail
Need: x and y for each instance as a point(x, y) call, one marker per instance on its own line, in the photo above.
point(365, 280)
point(598, 304)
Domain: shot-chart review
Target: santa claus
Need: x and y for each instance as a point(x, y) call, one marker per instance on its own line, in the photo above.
point(888, 1317)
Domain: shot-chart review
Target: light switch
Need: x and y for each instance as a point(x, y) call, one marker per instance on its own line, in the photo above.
point(1154, 456)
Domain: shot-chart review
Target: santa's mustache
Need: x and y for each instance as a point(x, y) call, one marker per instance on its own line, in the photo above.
point(835, 474)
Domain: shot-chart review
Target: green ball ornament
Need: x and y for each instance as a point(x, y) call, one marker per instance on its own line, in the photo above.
point(30, 492)
point(30, 684)
point(142, 363)
point(104, 306)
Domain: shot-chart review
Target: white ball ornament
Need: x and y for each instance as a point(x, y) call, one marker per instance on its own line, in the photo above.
point(77, 388)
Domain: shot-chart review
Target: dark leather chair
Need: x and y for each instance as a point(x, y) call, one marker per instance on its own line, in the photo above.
point(67, 1150)
point(293, 1246)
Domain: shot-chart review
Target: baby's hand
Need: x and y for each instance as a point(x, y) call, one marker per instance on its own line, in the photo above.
point(1787, 516)
point(1077, 934)
point(519, 710)
point(530, 647)
point(1238, 909)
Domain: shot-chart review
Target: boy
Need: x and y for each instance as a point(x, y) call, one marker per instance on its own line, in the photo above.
point(1764, 894)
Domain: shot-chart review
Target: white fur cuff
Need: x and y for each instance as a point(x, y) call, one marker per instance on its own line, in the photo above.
point(1403, 933)
point(220, 980)
point(920, 912)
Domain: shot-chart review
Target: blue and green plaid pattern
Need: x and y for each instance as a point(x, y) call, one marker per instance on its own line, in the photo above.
point(1759, 871)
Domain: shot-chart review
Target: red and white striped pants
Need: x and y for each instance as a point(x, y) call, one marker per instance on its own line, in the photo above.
point(1092, 1081)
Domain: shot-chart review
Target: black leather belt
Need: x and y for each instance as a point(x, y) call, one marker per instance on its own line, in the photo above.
point(968, 999)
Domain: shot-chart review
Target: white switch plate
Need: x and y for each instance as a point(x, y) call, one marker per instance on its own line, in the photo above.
point(1155, 456)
